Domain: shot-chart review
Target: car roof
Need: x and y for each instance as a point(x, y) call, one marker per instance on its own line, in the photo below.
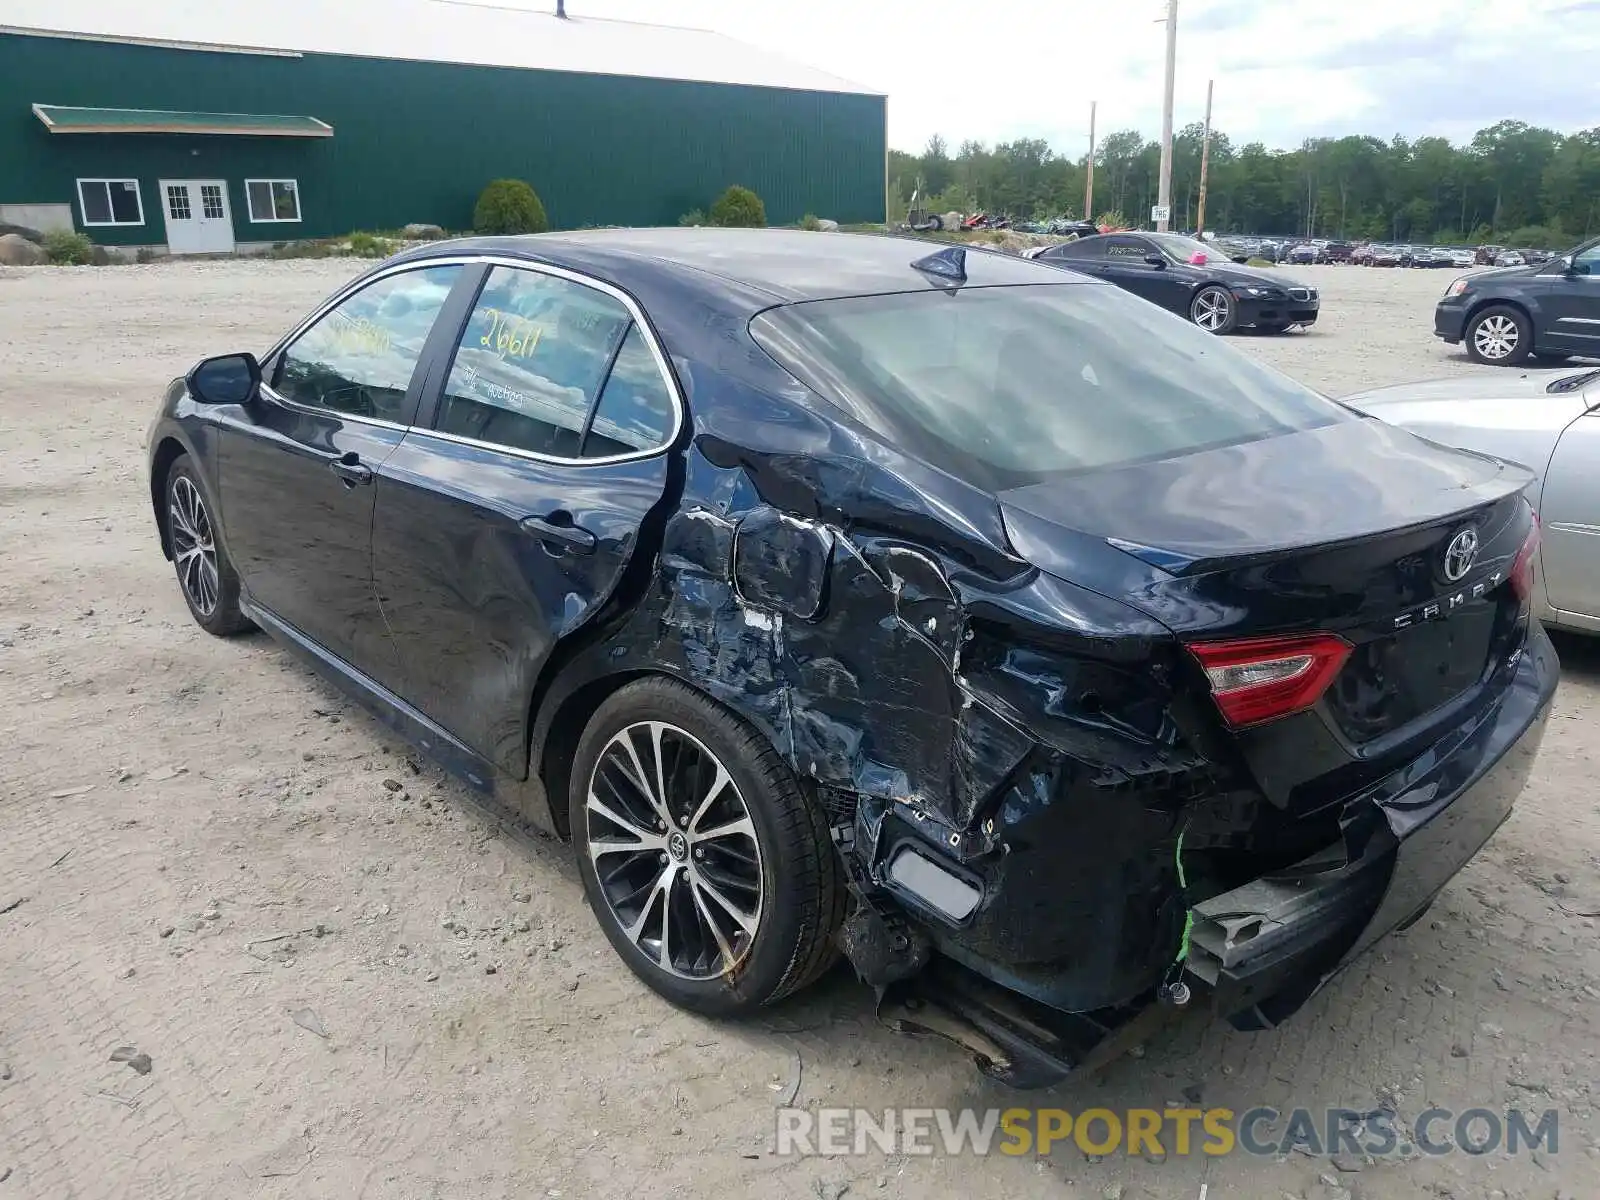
point(781, 265)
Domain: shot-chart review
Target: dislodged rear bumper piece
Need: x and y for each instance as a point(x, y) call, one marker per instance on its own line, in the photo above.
point(1261, 950)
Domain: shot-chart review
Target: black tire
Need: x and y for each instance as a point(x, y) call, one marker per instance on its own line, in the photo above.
point(1214, 309)
point(1499, 336)
point(206, 578)
point(800, 904)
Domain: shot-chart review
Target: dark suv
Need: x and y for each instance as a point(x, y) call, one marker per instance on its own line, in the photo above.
point(1550, 310)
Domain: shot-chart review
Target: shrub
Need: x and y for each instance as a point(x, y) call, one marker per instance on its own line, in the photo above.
point(810, 223)
point(694, 217)
point(69, 249)
point(367, 245)
point(739, 208)
point(509, 206)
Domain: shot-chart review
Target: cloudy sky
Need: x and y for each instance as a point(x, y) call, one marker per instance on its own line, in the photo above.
point(1284, 70)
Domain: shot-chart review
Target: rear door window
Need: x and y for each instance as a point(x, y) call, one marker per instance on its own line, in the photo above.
point(531, 362)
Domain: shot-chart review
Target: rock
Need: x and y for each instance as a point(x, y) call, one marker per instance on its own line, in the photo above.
point(1111, 1191)
point(168, 930)
point(422, 231)
point(825, 226)
point(18, 251)
point(127, 973)
point(1346, 1163)
point(99, 256)
point(430, 977)
point(393, 785)
point(138, 1061)
point(1458, 1051)
point(22, 231)
point(1490, 1029)
point(5, 1072)
point(309, 1021)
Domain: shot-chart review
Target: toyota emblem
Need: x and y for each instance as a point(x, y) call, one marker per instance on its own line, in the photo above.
point(1460, 554)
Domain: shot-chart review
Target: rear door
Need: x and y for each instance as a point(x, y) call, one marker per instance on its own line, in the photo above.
point(297, 465)
point(508, 515)
point(1570, 512)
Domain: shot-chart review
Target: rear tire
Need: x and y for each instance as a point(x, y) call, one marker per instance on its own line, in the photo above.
point(1499, 336)
point(1214, 309)
point(720, 924)
point(206, 577)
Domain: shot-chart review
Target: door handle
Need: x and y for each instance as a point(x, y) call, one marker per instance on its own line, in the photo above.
point(558, 528)
point(351, 469)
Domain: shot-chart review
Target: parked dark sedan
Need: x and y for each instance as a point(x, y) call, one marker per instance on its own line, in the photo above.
point(1189, 278)
point(1038, 650)
point(1550, 310)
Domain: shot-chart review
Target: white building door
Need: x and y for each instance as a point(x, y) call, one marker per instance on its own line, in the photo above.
point(198, 220)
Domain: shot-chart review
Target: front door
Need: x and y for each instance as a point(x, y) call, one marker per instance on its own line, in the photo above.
point(1571, 304)
point(198, 220)
point(506, 518)
point(296, 467)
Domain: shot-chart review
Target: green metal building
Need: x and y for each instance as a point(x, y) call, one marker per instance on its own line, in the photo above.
point(211, 127)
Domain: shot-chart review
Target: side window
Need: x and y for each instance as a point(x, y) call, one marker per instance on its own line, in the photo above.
point(358, 358)
point(1080, 248)
point(635, 410)
point(531, 361)
point(1127, 248)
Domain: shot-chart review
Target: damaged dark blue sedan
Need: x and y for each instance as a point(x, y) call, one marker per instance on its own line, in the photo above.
point(1056, 663)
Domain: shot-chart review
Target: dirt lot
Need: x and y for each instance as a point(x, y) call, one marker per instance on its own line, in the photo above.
point(351, 981)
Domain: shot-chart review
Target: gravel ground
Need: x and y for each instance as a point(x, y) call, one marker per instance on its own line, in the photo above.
point(351, 981)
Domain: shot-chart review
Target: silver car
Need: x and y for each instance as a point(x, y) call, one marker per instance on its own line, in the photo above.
point(1548, 421)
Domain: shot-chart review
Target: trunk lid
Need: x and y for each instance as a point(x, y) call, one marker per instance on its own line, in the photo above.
point(1342, 529)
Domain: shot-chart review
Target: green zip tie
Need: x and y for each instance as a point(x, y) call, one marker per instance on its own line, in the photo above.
point(1188, 913)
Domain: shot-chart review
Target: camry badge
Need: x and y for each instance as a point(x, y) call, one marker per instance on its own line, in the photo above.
point(1460, 554)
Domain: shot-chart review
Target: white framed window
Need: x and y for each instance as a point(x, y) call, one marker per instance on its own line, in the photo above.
point(273, 199)
point(110, 202)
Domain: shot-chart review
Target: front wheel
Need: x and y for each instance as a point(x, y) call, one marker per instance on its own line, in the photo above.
point(710, 871)
point(205, 575)
point(1499, 336)
point(1214, 310)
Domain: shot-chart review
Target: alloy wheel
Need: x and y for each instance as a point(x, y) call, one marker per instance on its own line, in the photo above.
point(1496, 337)
point(194, 549)
point(674, 850)
point(1211, 309)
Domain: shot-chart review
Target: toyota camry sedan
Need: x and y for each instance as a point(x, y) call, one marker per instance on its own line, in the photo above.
point(975, 620)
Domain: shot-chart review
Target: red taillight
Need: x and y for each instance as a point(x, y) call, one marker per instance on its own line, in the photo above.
point(1262, 679)
point(1522, 566)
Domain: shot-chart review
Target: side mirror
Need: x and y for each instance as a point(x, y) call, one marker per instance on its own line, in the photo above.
point(226, 379)
point(1155, 260)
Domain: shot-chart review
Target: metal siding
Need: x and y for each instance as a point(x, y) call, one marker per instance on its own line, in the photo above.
point(417, 141)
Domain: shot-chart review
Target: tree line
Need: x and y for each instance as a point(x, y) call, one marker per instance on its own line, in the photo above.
point(1512, 183)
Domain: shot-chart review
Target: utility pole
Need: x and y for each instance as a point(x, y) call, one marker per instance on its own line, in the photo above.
point(1205, 162)
point(1088, 183)
point(1164, 193)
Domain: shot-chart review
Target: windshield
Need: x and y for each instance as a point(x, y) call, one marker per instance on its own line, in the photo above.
point(1003, 387)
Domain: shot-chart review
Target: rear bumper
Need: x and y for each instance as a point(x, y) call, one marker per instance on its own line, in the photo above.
point(1051, 976)
point(1265, 948)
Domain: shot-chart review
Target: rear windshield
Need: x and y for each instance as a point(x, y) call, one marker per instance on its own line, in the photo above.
point(1006, 386)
